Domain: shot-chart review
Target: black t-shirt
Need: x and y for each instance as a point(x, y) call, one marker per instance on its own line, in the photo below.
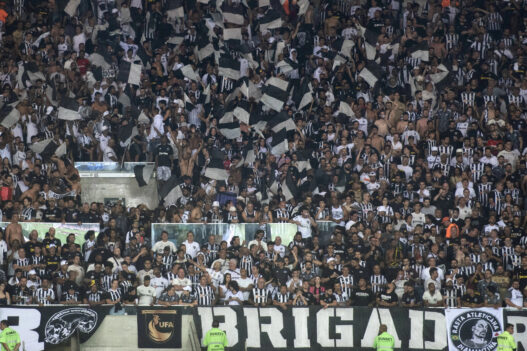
point(163, 153)
point(282, 275)
point(477, 299)
point(362, 297)
point(409, 297)
point(46, 242)
point(388, 297)
point(328, 298)
point(30, 247)
point(52, 215)
point(52, 263)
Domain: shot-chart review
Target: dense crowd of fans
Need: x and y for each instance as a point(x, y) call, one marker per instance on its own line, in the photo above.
point(425, 178)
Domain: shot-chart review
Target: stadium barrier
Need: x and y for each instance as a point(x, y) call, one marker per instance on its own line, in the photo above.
point(267, 328)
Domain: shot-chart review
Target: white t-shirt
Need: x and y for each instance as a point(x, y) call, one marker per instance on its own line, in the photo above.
point(192, 248)
point(279, 249)
point(432, 299)
point(244, 283)
point(305, 226)
point(159, 284)
point(229, 294)
point(146, 295)
point(160, 246)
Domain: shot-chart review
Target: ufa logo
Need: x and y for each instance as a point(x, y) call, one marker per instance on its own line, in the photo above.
point(160, 328)
point(475, 330)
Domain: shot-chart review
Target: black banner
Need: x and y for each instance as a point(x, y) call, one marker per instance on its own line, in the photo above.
point(40, 327)
point(316, 328)
point(159, 327)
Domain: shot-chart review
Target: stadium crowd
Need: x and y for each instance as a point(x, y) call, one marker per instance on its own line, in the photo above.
point(403, 122)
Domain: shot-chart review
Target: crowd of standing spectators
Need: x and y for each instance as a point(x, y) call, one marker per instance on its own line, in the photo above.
point(424, 178)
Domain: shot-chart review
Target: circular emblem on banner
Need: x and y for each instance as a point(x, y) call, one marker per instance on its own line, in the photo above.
point(475, 330)
point(64, 323)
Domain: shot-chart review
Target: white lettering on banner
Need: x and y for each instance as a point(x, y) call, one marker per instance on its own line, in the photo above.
point(301, 334)
point(440, 335)
point(28, 321)
point(253, 327)
point(345, 331)
point(230, 325)
point(373, 327)
point(416, 329)
point(274, 328)
point(520, 337)
point(323, 327)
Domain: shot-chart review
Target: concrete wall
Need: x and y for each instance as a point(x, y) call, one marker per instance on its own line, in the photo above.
point(95, 189)
point(119, 333)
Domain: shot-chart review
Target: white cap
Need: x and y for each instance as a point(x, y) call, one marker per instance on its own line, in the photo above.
point(216, 204)
point(187, 288)
point(49, 110)
point(63, 262)
point(232, 208)
point(331, 259)
point(434, 148)
point(115, 10)
point(105, 113)
point(31, 272)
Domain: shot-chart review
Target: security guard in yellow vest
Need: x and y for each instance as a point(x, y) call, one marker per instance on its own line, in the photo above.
point(384, 341)
point(505, 340)
point(215, 339)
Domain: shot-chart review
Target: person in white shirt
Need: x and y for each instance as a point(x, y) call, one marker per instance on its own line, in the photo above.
point(432, 297)
point(233, 270)
point(192, 247)
point(181, 281)
point(109, 154)
point(304, 222)
point(158, 282)
point(146, 293)
point(234, 296)
point(258, 240)
point(514, 297)
point(278, 247)
point(159, 246)
point(245, 283)
point(157, 128)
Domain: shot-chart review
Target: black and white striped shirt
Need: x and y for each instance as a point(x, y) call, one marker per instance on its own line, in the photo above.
point(477, 171)
point(451, 296)
point(70, 297)
point(344, 281)
point(205, 295)
point(484, 191)
point(94, 296)
point(377, 283)
point(42, 295)
point(106, 281)
point(260, 296)
point(282, 298)
point(22, 262)
point(114, 295)
point(247, 263)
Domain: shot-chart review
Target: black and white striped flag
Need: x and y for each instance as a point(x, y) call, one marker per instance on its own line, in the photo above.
point(215, 169)
point(233, 13)
point(9, 115)
point(420, 51)
point(242, 111)
point(204, 48)
point(189, 106)
point(270, 20)
point(47, 148)
point(279, 143)
point(69, 109)
point(232, 36)
point(281, 121)
point(175, 9)
point(303, 95)
point(345, 108)
point(371, 73)
point(228, 127)
point(275, 93)
point(143, 173)
point(126, 134)
point(370, 42)
point(130, 73)
point(229, 67)
point(171, 191)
